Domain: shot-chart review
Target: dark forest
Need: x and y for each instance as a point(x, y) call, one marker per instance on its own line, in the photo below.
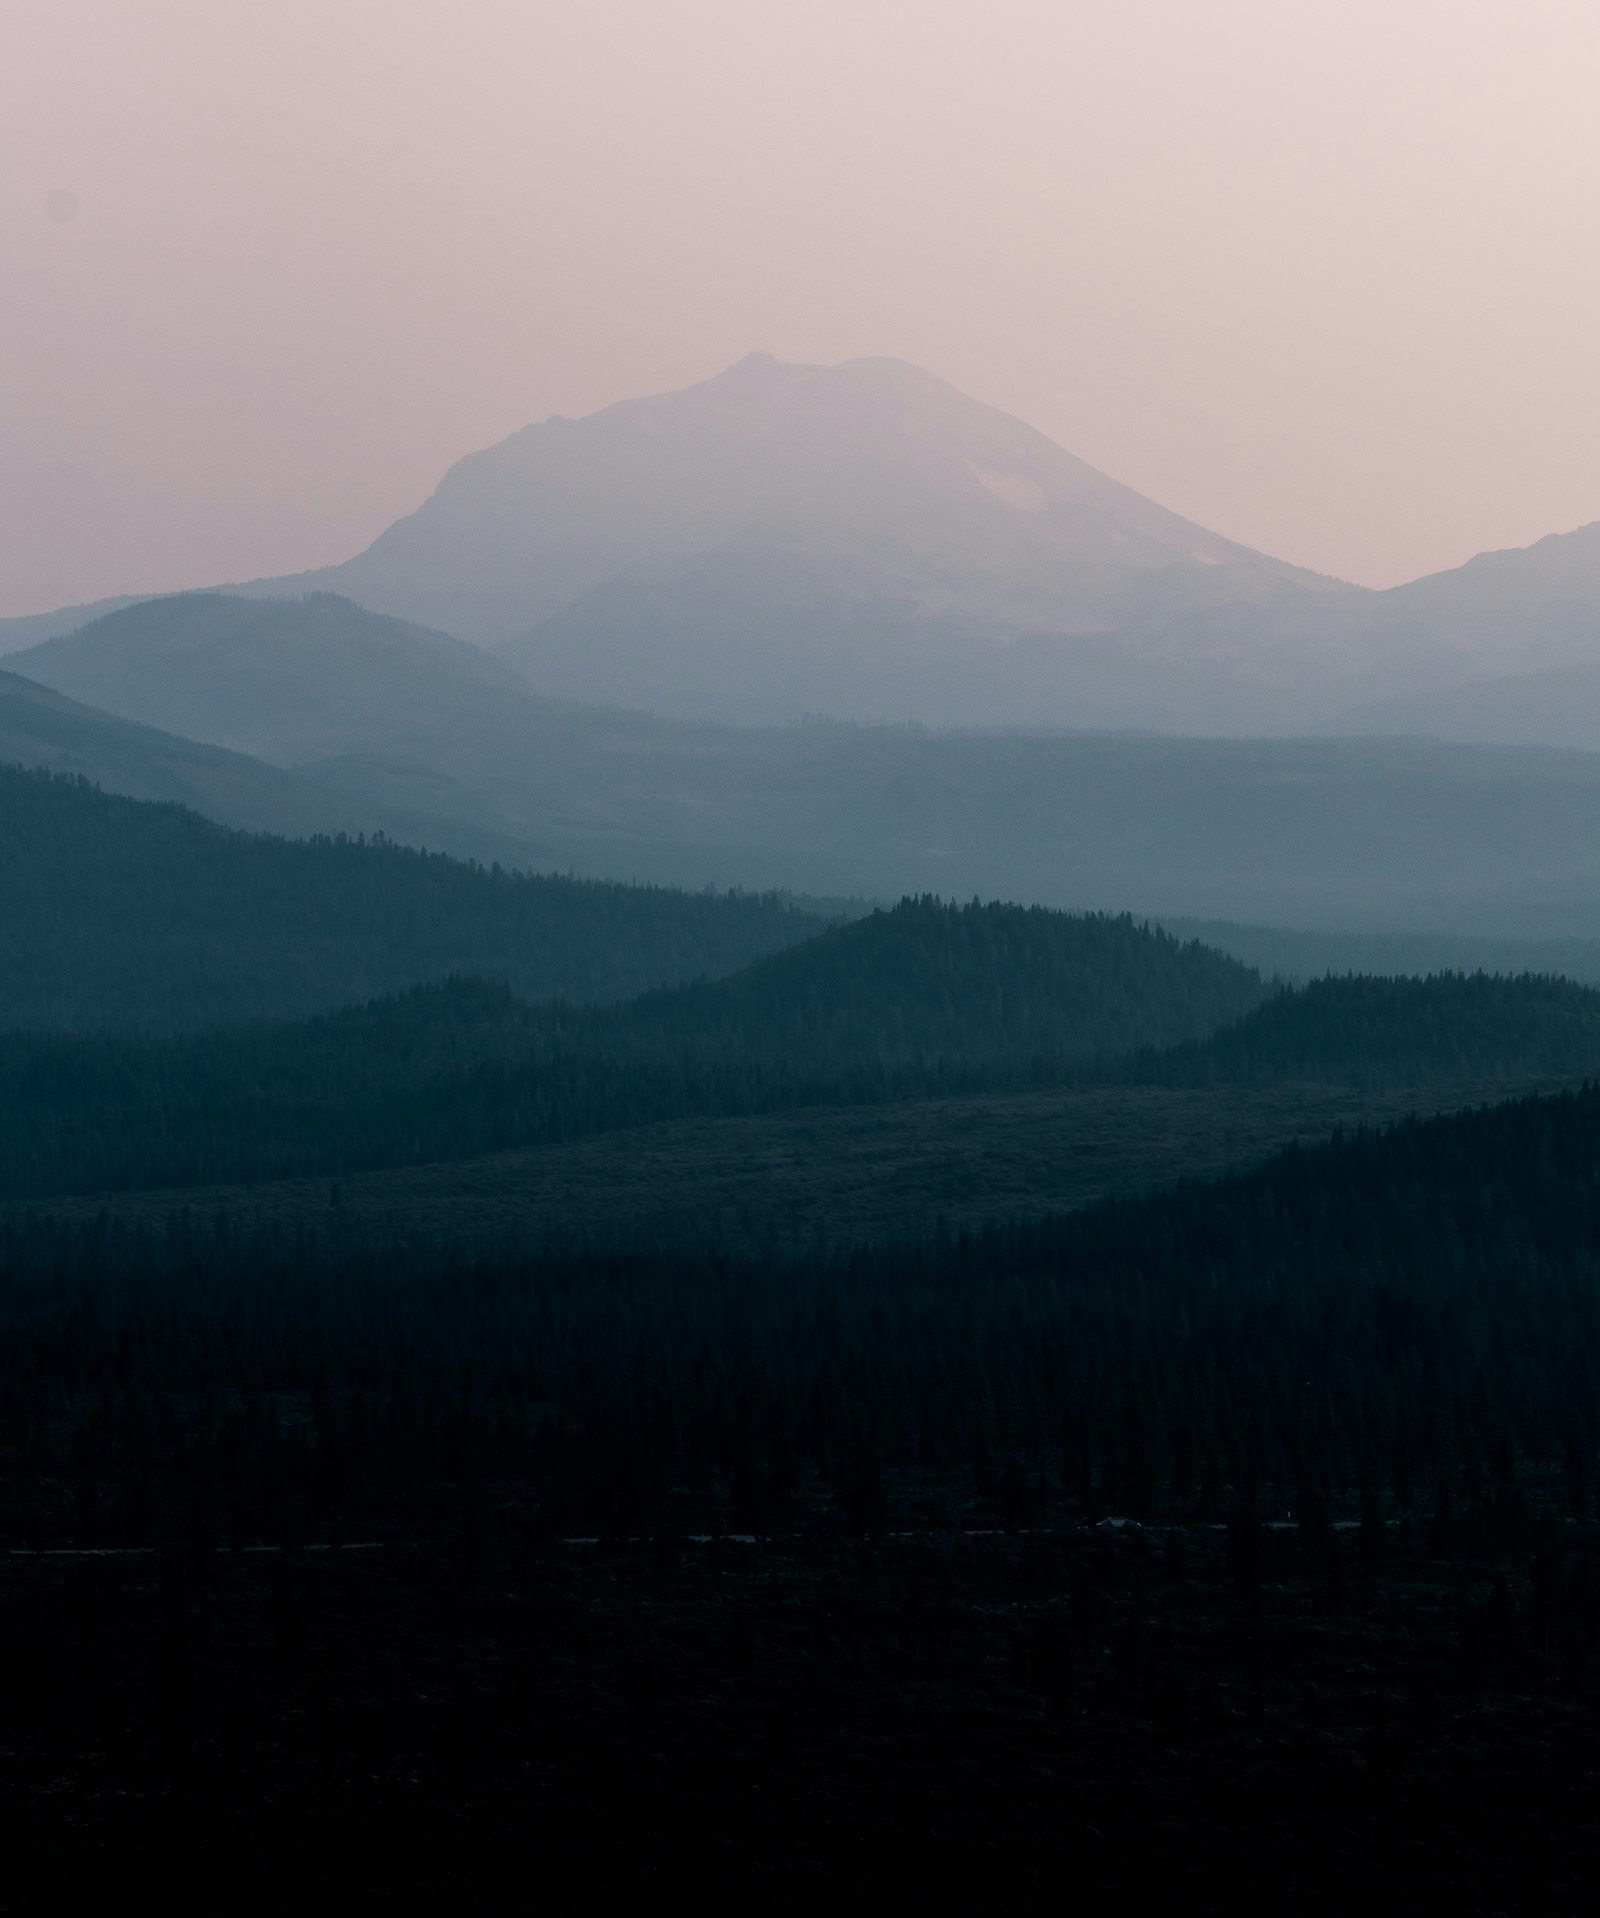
point(1214, 1542)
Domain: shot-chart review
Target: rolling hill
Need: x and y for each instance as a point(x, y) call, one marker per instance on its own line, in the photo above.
point(1059, 1023)
point(1391, 1032)
point(144, 916)
point(932, 980)
point(287, 680)
point(919, 1000)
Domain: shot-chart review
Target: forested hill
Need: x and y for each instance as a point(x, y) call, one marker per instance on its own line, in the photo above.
point(1372, 1031)
point(130, 914)
point(1411, 1309)
point(934, 980)
point(923, 1002)
point(919, 1001)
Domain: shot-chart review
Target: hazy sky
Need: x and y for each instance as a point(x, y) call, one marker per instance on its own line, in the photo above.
point(1325, 277)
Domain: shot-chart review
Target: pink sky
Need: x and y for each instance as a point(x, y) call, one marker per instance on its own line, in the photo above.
point(1325, 277)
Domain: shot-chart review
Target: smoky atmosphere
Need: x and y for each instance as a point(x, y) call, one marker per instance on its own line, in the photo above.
point(800, 955)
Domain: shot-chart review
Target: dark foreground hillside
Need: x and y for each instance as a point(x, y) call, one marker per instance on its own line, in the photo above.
point(1343, 1652)
point(127, 914)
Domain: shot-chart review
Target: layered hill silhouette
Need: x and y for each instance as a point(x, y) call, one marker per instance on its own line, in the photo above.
point(919, 1000)
point(43, 730)
point(388, 727)
point(122, 913)
point(923, 1004)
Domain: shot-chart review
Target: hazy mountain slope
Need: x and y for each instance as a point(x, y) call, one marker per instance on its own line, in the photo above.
point(864, 541)
point(1558, 706)
point(767, 629)
point(289, 679)
point(41, 728)
point(423, 736)
point(859, 539)
point(1345, 834)
point(872, 457)
point(1527, 607)
point(122, 914)
point(32, 629)
point(1511, 642)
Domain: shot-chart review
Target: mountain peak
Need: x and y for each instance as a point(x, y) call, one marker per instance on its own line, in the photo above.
point(903, 491)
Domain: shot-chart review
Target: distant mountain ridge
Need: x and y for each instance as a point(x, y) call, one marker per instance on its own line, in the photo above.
point(872, 460)
point(287, 679)
point(380, 724)
point(863, 541)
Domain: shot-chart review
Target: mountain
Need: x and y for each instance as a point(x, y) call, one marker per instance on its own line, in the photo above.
point(1515, 637)
point(1527, 608)
point(140, 673)
point(400, 729)
point(43, 730)
point(47, 731)
point(289, 679)
point(872, 462)
point(120, 913)
point(864, 541)
point(860, 540)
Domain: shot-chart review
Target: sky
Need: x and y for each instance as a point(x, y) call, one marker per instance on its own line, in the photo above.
point(1324, 277)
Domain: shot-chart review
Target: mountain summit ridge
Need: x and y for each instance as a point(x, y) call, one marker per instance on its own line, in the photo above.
point(873, 453)
point(866, 542)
